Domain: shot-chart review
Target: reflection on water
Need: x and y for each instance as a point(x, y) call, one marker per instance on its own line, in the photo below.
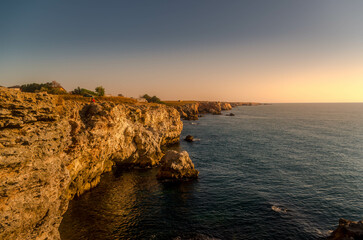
point(125, 206)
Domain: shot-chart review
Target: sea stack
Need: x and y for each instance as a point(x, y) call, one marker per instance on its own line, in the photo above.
point(189, 138)
point(177, 166)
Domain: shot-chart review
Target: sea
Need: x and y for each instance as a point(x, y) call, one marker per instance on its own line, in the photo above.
point(280, 171)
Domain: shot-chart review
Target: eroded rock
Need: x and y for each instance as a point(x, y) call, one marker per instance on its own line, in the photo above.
point(348, 230)
point(177, 166)
point(189, 138)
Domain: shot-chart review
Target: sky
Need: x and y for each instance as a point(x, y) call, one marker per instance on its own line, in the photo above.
point(246, 50)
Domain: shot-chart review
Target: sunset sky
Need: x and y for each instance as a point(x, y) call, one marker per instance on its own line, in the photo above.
point(263, 51)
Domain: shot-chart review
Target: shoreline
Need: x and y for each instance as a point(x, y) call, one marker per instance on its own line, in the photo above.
point(54, 149)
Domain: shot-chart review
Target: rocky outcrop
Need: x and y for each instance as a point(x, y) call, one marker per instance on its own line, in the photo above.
point(177, 166)
point(226, 106)
point(210, 107)
point(236, 104)
point(348, 230)
point(52, 150)
point(189, 138)
point(191, 111)
point(188, 111)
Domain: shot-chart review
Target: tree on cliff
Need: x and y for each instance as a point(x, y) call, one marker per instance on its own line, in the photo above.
point(153, 99)
point(77, 91)
point(100, 91)
point(83, 91)
point(49, 87)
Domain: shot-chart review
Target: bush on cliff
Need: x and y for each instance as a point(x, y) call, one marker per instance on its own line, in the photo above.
point(100, 91)
point(153, 99)
point(49, 87)
point(83, 91)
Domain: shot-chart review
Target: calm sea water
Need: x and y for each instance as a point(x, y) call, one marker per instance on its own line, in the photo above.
point(285, 171)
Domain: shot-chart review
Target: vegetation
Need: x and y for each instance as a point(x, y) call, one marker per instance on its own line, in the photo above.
point(153, 99)
point(80, 98)
point(49, 87)
point(100, 91)
point(83, 91)
point(78, 93)
point(179, 103)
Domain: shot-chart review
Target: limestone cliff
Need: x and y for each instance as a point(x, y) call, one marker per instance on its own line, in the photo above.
point(52, 150)
point(188, 111)
point(347, 230)
point(191, 111)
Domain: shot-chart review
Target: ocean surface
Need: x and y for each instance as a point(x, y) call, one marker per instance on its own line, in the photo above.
point(281, 171)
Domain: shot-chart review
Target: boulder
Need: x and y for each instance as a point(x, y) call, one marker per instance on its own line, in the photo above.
point(230, 114)
point(189, 138)
point(177, 166)
point(347, 230)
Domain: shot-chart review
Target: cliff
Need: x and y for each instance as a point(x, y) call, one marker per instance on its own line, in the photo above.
point(52, 149)
point(192, 110)
point(347, 230)
point(188, 111)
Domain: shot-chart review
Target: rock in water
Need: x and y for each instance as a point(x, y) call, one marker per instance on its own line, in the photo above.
point(177, 166)
point(230, 114)
point(348, 230)
point(189, 138)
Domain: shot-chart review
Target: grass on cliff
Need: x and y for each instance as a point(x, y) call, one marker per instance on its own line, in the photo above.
point(178, 103)
point(79, 98)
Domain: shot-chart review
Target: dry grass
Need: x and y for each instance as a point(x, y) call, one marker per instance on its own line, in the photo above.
point(177, 103)
point(78, 98)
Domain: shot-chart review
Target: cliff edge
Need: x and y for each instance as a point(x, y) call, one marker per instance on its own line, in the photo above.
point(52, 149)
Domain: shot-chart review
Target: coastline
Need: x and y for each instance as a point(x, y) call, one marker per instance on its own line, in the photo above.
point(55, 148)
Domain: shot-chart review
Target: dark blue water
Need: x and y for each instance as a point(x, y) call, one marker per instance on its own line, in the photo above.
point(285, 171)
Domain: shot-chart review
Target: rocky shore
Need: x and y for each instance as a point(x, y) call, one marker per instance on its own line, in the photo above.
point(53, 149)
point(193, 110)
point(347, 230)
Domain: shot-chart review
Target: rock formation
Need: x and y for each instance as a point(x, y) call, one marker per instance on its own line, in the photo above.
point(210, 107)
point(226, 106)
point(348, 230)
point(188, 111)
point(52, 150)
point(177, 166)
point(191, 111)
point(236, 104)
point(189, 138)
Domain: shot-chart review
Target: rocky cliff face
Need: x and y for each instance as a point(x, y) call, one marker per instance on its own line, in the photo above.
point(348, 230)
point(52, 150)
point(188, 111)
point(177, 166)
point(191, 111)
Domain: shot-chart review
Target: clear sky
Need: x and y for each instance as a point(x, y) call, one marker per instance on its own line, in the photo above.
point(246, 50)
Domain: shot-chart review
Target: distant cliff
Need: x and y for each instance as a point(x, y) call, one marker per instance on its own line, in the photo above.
point(52, 150)
point(191, 110)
